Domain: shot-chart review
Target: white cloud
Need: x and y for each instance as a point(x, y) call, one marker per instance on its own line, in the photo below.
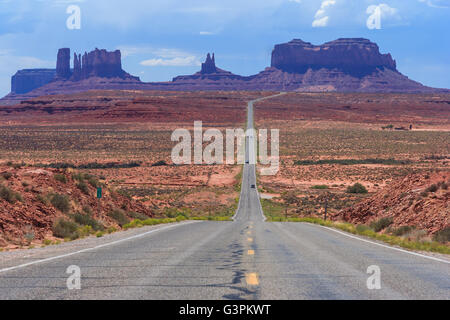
point(321, 18)
point(322, 22)
point(437, 3)
point(174, 62)
point(167, 57)
point(386, 10)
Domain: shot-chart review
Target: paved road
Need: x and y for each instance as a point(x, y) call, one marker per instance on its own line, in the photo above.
point(244, 259)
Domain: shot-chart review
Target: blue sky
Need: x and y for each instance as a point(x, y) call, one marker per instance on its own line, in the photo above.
point(161, 39)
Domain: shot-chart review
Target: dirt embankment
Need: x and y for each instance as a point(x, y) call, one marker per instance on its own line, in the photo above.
point(419, 200)
point(32, 199)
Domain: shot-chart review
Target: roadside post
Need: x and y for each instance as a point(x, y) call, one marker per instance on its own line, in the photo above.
point(99, 196)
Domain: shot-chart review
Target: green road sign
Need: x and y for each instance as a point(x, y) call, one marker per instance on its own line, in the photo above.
point(99, 193)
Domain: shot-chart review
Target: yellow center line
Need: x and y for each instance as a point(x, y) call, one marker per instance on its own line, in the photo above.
point(252, 279)
point(249, 232)
point(251, 252)
point(250, 239)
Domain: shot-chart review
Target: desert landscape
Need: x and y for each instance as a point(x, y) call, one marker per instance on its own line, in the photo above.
point(61, 148)
point(363, 156)
point(69, 145)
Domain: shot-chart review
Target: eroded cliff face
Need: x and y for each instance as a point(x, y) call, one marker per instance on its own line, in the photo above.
point(27, 80)
point(357, 57)
point(98, 63)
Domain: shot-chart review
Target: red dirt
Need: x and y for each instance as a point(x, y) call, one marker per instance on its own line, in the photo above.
point(407, 203)
point(32, 216)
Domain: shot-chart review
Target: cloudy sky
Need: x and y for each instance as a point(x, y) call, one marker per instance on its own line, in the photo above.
point(160, 39)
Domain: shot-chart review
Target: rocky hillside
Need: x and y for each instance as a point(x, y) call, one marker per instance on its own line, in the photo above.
point(33, 199)
point(419, 200)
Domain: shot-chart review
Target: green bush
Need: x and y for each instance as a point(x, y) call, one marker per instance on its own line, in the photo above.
point(381, 224)
point(65, 229)
point(9, 195)
point(83, 187)
point(137, 215)
point(320, 187)
point(119, 216)
point(363, 228)
point(442, 236)
point(403, 230)
point(61, 178)
point(160, 163)
point(87, 220)
point(357, 188)
point(60, 202)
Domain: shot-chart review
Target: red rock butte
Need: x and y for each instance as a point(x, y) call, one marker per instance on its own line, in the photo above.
point(343, 65)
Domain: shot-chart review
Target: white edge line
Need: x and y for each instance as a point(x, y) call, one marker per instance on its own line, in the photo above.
point(94, 248)
point(381, 245)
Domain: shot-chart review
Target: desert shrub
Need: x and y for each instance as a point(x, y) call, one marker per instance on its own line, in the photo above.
point(137, 215)
point(85, 231)
point(119, 216)
point(159, 163)
point(78, 177)
point(432, 188)
point(7, 175)
point(381, 224)
point(87, 210)
point(9, 195)
point(65, 229)
point(60, 177)
point(442, 236)
point(60, 202)
point(403, 230)
point(357, 188)
point(320, 187)
point(83, 187)
point(93, 181)
point(363, 228)
point(43, 199)
point(444, 186)
point(124, 193)
point(88, 220)
point(349, 162)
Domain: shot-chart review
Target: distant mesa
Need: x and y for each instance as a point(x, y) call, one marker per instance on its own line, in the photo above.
point(357, 57)
point(97, 63)
point(343, 65)
point(27, 80)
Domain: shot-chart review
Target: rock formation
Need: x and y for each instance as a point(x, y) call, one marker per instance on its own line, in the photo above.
point(98, 63)
point(357, 57)
point(209, 71)
point(209, 66)
point(27, 80)
point(343, 65)
point(63, 64)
